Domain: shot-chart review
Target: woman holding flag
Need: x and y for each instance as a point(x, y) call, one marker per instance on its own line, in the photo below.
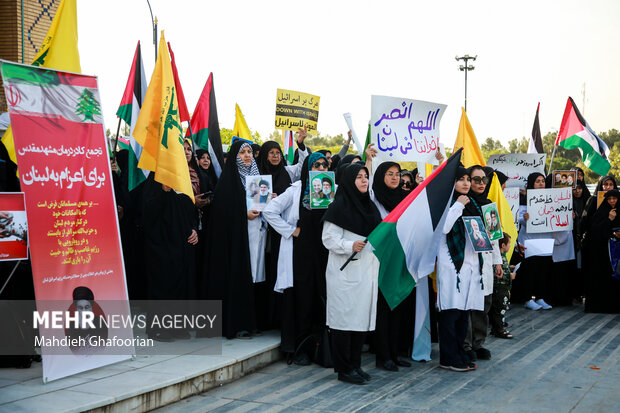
point(352, 292)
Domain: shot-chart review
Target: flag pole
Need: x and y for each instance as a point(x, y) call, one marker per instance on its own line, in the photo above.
point(118, 129)
point(350, 258)
point(552, 155)
point(189, 126)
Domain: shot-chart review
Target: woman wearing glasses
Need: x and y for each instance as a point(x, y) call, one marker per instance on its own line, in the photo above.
point(301, 262)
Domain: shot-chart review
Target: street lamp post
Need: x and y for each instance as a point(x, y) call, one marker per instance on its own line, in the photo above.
point(154, 22)
point(466, 68)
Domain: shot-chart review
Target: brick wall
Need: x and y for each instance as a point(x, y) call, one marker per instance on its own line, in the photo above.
point(38, 16)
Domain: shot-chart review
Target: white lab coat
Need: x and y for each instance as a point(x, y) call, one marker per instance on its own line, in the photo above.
point(351, 293)
point(294, 171)
point(470, 294)
point(490, 259)
point(257, 236)
point(282, 213)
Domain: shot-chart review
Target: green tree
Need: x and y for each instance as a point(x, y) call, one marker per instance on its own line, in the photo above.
point(87, 106)
point(492, 147)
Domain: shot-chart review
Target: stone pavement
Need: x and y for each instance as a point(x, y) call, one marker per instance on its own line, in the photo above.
point(547, 367)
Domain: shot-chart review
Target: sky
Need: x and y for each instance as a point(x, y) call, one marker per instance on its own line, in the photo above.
point(345, 51)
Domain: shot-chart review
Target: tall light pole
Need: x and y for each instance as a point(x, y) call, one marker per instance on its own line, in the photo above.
point(154, 22)
point(466, 68)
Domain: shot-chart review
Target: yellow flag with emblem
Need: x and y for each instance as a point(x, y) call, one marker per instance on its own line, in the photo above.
point(241, 130)
point(159, 131)
point(59, 51)
point(466, 139)
point(505, 214)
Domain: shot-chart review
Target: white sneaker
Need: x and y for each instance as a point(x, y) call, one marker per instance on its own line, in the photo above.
point(543, 304)
point(531, 305)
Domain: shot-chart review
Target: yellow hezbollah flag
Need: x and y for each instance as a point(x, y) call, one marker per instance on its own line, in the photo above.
point(505, 214)
point(466, 139)
point(158, 128)
point(241, 130)
point(59, 51)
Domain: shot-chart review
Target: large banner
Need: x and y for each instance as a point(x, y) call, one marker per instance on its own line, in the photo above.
point(550, 210)
point(517, 166)
point(405, 129)
point(66, 177)
point(296, 109)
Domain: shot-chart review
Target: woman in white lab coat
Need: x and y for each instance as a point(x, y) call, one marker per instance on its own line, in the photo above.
point(351, 293)
point(302, 259)
point(460, 285)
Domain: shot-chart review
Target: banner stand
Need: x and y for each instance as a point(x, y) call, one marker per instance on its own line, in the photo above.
point(10, 276)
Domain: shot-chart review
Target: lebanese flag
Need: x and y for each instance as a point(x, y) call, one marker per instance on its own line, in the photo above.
point(576, 133)
point(407, 241)
point(128, 110)
point(205, 126)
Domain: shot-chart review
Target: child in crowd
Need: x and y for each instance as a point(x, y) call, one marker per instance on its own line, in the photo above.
point(501, 291)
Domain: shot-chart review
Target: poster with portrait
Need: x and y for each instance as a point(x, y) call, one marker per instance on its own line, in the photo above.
point(258, 191)
point(492, 221)
point(13, 227)
point(477, 235)
point(564, 179)
point(322, 189)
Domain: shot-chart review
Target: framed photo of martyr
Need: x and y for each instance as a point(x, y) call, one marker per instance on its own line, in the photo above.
point(564, 179)
point(477, 235)
point(258, 191)
point(322, 189)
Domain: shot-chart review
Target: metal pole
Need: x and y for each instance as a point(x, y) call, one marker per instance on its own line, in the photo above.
point(118, 129)
point(551, 163)
point(465, 85)
point(154, 23)
point(10, 275)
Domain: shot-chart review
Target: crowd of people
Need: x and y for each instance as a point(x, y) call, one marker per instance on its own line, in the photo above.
point(280, 268)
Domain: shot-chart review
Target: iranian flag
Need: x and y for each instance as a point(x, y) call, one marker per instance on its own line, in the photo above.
point(407, 241)
point(576, 133)
point(128, 110)
point(205, 126)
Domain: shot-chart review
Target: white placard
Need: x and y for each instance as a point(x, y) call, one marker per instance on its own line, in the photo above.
point(517, 166)
point(360, 148)
point(538, 247)
point(550, 210)
point(405, 129)
point(512, 196)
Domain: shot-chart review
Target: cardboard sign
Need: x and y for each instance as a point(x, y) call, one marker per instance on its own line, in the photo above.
point(512, 196)
point(550, 210)
point(518, 166)
point(296, 110)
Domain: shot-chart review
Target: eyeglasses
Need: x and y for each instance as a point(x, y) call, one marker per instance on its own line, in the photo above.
point(407, 184)
point(319, 164)
point(480, 180)
point(275, 154)
point(392, 174)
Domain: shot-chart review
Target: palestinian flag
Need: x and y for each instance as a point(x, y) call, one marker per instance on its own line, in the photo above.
point(407, 241)
point(289, 147)
point(536, 145)
point(183, 112)
point(128, 110)
point(576, 133)
point(205, 126)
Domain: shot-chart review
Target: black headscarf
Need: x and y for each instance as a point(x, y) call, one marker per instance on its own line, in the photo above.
point(601, 216)
point(501, 177)
point(586, 191)
point(591, 203)
point(256, 148)
point(386, 196)
point(280, 177)
point(208, 177)
point(580, 203)
point(346, 160)
point(335, 160)
point(531, 179)
point(414, 178)
point(481, 199)
point(351, 209)
point(324, 151)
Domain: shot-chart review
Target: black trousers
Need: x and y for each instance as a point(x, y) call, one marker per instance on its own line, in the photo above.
point(346, 348)
point(386, 332)
point(452, 331)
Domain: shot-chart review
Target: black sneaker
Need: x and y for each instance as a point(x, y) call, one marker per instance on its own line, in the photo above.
point(362, 374)
point(472, 355)
point(302, 359)
point(351, 377)
point(483, 354)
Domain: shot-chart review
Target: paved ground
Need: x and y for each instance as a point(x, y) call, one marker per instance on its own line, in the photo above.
point(546, 368)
